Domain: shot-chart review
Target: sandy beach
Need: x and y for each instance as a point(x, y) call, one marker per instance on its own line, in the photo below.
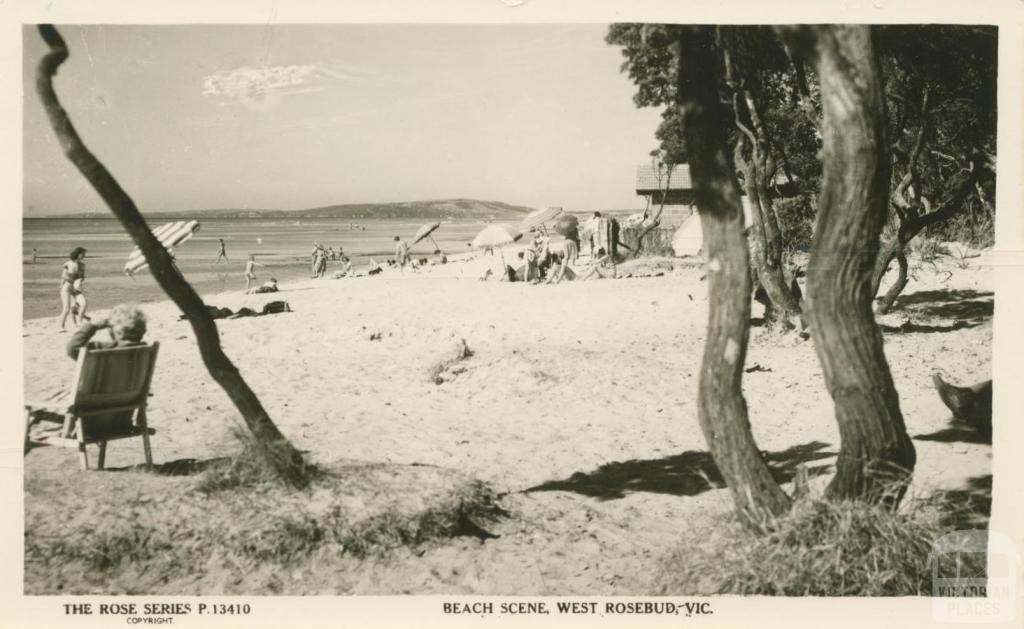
point(578, 405)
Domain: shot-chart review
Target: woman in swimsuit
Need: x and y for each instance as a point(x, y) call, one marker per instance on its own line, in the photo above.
point(72, 292)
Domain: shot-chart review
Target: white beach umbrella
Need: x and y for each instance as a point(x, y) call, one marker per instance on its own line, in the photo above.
point(538, 217)
point(497, 236)
point(170, 235)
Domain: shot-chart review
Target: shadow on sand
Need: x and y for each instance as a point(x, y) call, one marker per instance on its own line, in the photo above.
point(915, 328)
point(965, 305)
point(970, 506)
point(687, 474)
point(179, 467)
point(955, 433)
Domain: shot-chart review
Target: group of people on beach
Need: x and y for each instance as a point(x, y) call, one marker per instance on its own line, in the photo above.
point(540, 262)
point(543, 263)
point(318, 260)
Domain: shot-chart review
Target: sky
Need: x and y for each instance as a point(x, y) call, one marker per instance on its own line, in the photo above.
point(301, 116)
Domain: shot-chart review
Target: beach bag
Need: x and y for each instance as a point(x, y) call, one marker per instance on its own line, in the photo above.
point(275, 307)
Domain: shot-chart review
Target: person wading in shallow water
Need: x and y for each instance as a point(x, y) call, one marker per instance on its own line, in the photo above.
point(223, 255)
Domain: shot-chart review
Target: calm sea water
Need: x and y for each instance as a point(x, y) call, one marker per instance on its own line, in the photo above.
point(282, 245)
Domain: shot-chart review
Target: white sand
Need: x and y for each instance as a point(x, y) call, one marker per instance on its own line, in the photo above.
point(563, 379)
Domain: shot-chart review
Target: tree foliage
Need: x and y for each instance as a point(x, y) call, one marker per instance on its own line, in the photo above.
point(940, 93)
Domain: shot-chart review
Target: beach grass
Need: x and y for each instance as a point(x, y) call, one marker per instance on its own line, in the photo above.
point(215, 527)
point(820, 548)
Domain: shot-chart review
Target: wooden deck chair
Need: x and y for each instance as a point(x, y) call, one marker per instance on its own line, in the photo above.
point(107, 401)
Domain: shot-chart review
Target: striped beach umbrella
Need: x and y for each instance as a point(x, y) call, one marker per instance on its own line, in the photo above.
point(170, 235)
point(538, 217)
point(424, 232)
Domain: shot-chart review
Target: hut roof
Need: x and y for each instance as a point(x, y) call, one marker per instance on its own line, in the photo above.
point(647, 179)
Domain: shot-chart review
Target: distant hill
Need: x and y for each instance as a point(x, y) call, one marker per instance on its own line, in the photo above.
point(446, 208)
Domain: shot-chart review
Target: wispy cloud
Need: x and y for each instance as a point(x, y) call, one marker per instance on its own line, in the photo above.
point(262, 88)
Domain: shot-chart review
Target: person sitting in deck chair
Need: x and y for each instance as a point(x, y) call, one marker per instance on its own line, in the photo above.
point(127, 326)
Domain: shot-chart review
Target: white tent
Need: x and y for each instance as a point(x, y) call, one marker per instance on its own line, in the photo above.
point(689, 239)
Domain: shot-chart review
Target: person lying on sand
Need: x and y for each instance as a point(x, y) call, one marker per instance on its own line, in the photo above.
point(271, 307)
point(601, 267)
point(267, 287)
point(126, 324)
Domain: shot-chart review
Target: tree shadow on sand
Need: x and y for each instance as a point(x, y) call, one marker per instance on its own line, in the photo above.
point(954, 433)
point(916, 328)
point(970, 506)
point(687, 474)
point(966, 305)
point(178, 467)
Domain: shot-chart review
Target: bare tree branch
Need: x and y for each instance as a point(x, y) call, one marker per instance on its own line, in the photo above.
point(289, 464)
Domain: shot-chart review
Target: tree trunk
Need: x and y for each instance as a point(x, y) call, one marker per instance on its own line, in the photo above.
point(722, 411)
point(876, 458)
point(285, 459)
point(886, 302)
point(656, 221)
point(911, 225)
point(886, 254)
point(767, 256)
point(766, 237)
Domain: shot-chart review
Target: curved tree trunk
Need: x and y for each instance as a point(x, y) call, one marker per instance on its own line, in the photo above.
point(285, 459)
point(913, 224)
point(886, 254)
point(887, 300)
point(877, 457)
point(722, 411)
point(656, 221)
point(766, 248)
point(766, 237)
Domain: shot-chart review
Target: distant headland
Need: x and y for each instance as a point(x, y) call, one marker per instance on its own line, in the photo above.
point(440, 210)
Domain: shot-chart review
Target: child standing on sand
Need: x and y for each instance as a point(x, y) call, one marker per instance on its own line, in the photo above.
point(250, 272)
